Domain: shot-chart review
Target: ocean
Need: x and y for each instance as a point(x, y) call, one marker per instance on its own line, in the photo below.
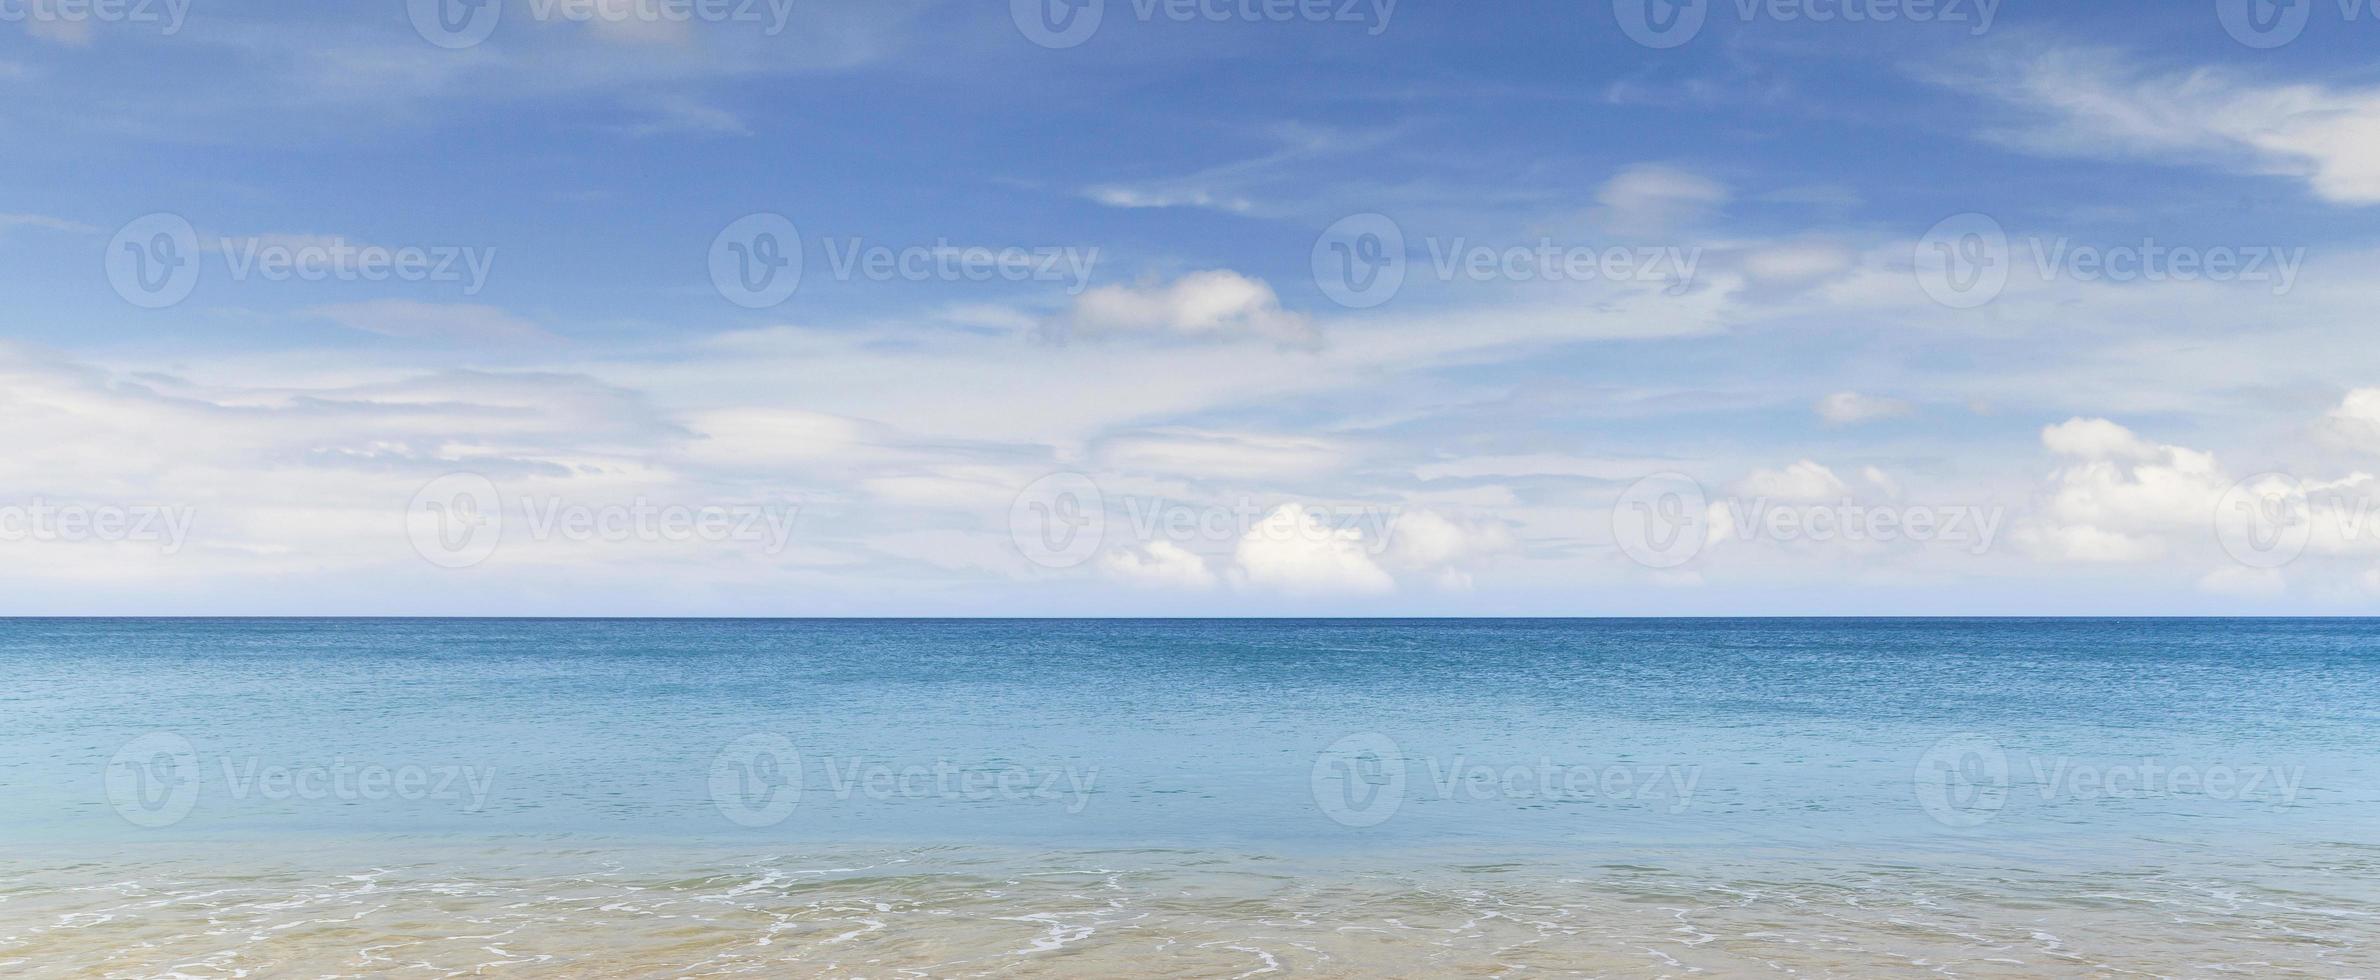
point(1975, 797)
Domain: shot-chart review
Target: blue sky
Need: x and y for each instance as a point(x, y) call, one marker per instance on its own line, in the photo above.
point(1705, 273)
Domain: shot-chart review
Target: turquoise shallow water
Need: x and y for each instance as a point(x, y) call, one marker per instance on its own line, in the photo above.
point(2123, 772)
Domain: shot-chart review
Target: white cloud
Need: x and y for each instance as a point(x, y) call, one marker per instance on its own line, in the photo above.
point(1421, 540)
point(1851, 408)
point(1159, 564)
point(1881, 480)
point(45, 222)
point(1214, 303)
point(679, 114)
point(2123, 498)
point(1802, 482)
point(1163, 196)
point(2117, 481)
point(2096, 439)
point(1799, 262)
point(1650, 197)
point(1230, 186)
point(2357, 419)
point(2095, 102)
point(1291, 551)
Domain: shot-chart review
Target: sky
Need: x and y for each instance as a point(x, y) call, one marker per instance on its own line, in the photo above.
point(1214, 308)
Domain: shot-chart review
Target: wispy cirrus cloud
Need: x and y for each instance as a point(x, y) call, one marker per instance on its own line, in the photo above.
point(2104, 103)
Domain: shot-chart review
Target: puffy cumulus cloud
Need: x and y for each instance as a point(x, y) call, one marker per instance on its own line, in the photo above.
point(1852, 408)
point(2097, 102)
point(1305, 550)
point(2341, 517)
point(2097, 439)
point(1159, 564)
point(1441, 548)
point(2123, 498)
point(1216, 303)
point(1293, 551)
point(2117, 481)
point(1423, 538)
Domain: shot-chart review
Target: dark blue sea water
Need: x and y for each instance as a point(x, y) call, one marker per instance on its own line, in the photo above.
point(2235, 754)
